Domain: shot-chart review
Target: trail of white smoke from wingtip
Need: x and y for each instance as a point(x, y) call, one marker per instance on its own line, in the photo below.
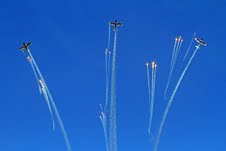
point(178, 51)
point(107, 72)
point(107, 64)
point(113, 126)
point(67, 142)
point(173, 53)
point(54, 106)
point(109, 36)
point(40, 90)
point(149, 95)
point(152, 101)
point(107, 78)
point(36, 68)
point(180, 40)
point(50, 109)
point(170, 102)
point(36, 76)
point(149, 87)
point(171, 67)
point(61, 124)
point(155, 78)
point(174, 60)
point(189, 46)
point(103, 121)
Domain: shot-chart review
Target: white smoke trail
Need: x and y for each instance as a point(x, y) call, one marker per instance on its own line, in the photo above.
point(170, 102)
point(36, 76)
point(106, 78)
point(107, 66)
point(49, 106)
point(109, 52)
point(109, 62)
point(36, 67)
point(53, 106)
point(149, 96)
point(178, 51)
point(109, 36)
point(44, 93)
point(189, 46)
point(173, 54)
point(104, 124)
point(113, 126)
point(60, 122)
point(149, 85)
point(103, 121)
point(107, 74)
point(171, 67)
point(154, 81)
point(41, 77)
point(152, 101)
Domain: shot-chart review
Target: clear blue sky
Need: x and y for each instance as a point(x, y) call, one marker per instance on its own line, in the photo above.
point(69, 39)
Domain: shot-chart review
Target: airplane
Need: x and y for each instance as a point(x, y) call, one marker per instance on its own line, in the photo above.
point(116, 24)
point(201, 42)
point(25, 46)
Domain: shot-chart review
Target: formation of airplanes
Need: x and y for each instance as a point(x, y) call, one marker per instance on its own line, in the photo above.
point(116, 24)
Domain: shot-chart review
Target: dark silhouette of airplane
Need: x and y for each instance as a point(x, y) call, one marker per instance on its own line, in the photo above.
point(201, 42)
point(25, 46)
point(116, 24)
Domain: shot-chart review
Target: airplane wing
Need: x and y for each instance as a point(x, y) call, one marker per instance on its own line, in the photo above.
point(21, 48)
point(198, 40)
point(29, 43)
point(202, 42)
point(205, 44)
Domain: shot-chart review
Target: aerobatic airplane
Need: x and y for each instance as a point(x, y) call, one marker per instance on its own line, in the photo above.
point(25, 46)
point(200, 41)
point(116, 24)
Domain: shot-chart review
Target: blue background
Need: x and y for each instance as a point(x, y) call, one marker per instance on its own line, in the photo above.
point(69, 39)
